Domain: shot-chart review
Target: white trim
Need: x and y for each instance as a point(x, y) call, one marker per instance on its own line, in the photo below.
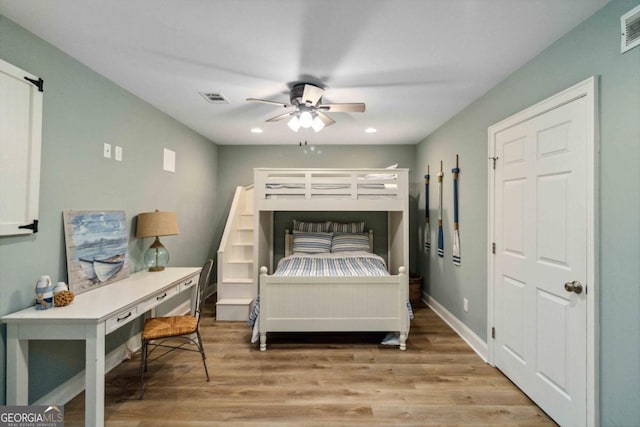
point(75, 385)
point(474, 341)
point(589, 90)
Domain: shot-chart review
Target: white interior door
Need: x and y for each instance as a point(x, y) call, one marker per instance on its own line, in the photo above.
point(20, 134)
point(540, 270)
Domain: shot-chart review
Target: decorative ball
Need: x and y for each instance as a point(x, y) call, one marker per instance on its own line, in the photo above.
point(63, 298)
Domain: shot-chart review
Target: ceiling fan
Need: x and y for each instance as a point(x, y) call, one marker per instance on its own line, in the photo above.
point(308, 110)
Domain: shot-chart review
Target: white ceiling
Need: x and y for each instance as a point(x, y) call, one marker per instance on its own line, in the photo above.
point(415, 63)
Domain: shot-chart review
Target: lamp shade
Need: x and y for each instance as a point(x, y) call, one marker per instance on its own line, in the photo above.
point(154, 224)
point(317, 124)
point(305, 119)
point(294, 124)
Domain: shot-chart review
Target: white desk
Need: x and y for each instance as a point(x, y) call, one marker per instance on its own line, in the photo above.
point(90, 317)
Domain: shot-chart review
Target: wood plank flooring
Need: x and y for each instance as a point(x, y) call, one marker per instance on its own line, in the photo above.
point(318, 380)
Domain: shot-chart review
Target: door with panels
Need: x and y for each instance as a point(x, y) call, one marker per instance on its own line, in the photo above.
point(540, 268)
point(20, 135)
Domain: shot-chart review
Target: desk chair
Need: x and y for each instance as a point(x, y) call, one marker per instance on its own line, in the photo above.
point(158, 330)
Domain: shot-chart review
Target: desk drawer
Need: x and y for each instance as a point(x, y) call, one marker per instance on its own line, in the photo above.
point(120, 319)
point(188, 283)
point(158, 298)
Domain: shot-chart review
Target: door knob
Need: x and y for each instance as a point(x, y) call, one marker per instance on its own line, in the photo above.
point(574, 286)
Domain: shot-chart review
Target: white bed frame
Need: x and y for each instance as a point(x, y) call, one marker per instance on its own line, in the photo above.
point(334, 303)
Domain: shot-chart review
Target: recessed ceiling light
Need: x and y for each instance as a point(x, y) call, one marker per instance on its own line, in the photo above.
point(371, 130)
point(257, 130)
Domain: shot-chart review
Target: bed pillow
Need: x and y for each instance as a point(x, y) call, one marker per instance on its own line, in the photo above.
point(350, 242)
point(352, 227)
point(313, 227)
point(311, 243)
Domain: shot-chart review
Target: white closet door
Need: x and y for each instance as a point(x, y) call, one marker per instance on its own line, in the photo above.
point(20, 138)
point(541, 260)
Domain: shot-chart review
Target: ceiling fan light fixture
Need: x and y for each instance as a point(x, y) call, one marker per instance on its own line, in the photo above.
point(306, 119)
point(294, 124)
point(308, 109)
point(317, 124)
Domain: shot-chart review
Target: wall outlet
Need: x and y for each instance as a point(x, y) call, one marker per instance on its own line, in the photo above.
point(107, 150)
point(465, 304)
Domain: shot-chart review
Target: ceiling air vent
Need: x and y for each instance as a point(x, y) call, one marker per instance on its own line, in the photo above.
point(630, 23)
point(215, 98)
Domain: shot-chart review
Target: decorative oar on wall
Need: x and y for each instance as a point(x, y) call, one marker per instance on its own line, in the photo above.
point(440, 234)
point(427, 226)
point(456, 234)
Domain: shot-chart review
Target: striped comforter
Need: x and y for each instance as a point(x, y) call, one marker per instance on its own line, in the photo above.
point(332, 264)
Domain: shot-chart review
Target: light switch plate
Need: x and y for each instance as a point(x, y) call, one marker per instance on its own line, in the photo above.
point(118, 153)
point(107, 150)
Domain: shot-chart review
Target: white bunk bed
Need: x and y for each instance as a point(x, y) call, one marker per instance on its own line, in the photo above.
point(332, 303)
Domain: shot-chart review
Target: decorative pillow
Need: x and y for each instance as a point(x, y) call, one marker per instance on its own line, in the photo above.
point(350, 242)
point(352, 227)
point(312, 227)
point(311, 243)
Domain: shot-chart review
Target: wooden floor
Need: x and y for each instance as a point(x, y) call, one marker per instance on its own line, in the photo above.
point(326, 379)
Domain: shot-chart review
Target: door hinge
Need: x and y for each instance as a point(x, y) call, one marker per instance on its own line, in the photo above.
point(33, 226)
point(494, 161)
point(38, 83)
point(493, 332)
point(493, 248)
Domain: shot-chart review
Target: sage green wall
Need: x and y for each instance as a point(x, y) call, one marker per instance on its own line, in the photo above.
point(592, 48)
point(236, 163)
point(83, 110)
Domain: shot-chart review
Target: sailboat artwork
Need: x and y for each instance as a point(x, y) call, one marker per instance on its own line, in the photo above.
point(102, 269)
point(97, 248)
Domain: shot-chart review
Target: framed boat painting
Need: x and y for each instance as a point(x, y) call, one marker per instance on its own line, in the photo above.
point(97, 244)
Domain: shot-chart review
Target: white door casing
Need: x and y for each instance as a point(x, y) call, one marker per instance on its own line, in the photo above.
point(542, 220)
point(20, 141)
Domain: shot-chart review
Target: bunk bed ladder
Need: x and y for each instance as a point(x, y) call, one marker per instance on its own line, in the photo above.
point(235, 259)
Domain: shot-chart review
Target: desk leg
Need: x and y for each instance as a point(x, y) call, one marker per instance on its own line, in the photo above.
point(17, 367)
point(94, 377)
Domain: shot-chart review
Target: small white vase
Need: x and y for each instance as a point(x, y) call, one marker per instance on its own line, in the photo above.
point(59, 287)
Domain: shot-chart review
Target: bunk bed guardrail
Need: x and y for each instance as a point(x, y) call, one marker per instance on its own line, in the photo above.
point(340, 184)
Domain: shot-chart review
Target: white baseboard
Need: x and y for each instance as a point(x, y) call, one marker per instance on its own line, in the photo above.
point(474, 341)
point(75, 385)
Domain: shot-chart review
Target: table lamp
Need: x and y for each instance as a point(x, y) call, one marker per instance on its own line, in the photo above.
point(156, 224)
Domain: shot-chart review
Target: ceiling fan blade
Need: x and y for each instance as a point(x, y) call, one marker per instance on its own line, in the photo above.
point(279, 117)
point(353, 107)
point(312, 94)
point(328, 121)
point(266, 101)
